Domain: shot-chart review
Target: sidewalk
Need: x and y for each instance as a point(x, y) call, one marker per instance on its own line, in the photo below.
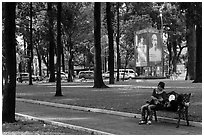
point(119, 123)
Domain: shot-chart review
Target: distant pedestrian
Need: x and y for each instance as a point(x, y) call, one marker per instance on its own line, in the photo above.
point(158, 99)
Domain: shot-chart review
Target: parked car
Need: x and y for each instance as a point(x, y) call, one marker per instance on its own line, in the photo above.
point(123, 75)
point(86, 74)
point(107, 74)
point(36, 78)
point(128, 74)
point(22, 77)
point(64, 76)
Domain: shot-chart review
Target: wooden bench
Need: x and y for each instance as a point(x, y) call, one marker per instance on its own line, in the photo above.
point(176, 103)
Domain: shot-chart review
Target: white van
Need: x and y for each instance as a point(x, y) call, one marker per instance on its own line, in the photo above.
point(130, 73)
point(86, 74)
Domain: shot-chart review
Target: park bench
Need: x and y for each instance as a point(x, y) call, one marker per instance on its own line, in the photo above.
point(176, 103)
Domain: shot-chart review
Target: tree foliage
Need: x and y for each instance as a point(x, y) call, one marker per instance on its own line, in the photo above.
point(78, 32)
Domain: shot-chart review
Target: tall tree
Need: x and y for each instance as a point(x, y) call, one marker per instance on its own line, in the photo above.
point(58, 86)
point(109, 16)
point(191, 43)
point(175, 28)
point(30, 48)
point(98, 81)
point(70, 62)
point(63, 65)
point(193, 12)
point(117, 41)
point(51, 42)
point(70, 23)
point(39, 59)
point(198, 75)
point(9, 93)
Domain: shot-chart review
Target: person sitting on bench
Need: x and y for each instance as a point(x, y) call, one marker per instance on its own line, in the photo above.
point(158, 100)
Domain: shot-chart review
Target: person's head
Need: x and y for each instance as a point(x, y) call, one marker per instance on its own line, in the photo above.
point(161, 85)
point(154, 40)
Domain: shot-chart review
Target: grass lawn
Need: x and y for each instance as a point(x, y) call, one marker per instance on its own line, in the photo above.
point(127, 96)
point(24, 126)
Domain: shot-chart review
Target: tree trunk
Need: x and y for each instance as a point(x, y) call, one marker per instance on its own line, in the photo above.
point(51, 43)
point(198, 75)
point(70, 79)
point(117, 41)
point(170, 56)
point(109, 16)
point(174, 60)
point(24, 44)
point(98, 81)
point(58, 86)
point(39, 61)
point(9, 93)
point(63, 65)
point(30, 49)
point(191, 43)
point(44, 60)
point(126, 63)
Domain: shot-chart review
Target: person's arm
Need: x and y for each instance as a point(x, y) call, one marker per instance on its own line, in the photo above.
point(163, 97)
point(153, 95)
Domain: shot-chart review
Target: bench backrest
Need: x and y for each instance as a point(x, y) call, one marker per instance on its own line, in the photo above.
point(180, 100)
point(184, 99)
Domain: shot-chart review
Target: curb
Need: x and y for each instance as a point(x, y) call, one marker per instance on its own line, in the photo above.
point(74, 127)
point(104, 111)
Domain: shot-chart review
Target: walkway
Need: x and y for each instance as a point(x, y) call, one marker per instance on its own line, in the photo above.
point(99, 123)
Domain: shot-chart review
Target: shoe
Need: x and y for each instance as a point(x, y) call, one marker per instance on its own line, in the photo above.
point(149, 122)
point(142, 122)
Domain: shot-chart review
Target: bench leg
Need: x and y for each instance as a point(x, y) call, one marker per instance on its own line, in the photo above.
point(155, 115)
point(179, 117)
point(186, 115)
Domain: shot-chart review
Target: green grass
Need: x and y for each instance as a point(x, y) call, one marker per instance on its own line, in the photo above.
point(125, 96)
point(24, 126)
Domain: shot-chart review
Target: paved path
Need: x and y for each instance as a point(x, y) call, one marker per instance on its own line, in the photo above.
point(101, 123)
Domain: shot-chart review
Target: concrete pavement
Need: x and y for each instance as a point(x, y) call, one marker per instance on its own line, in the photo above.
point(104, 122)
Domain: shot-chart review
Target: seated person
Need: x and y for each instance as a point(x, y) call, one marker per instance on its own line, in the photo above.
point(158, 99)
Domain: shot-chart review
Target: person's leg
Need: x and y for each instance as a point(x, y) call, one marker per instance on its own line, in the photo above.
point(150, 111)
point(143, 109)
